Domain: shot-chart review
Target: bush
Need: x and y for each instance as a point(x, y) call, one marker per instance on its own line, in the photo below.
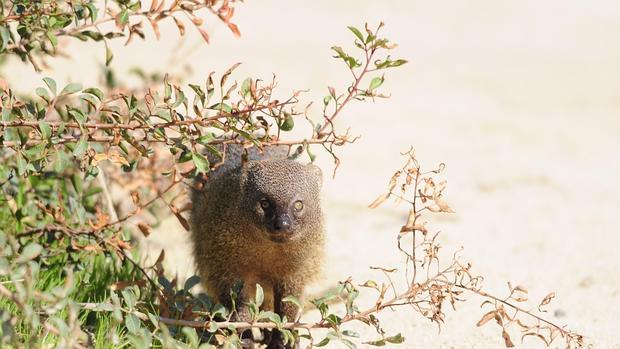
point(69, 271)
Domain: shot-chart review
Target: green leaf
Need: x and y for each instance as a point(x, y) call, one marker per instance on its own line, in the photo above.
point(105, 306)
point(191, 282)
point(370, 38)
point(4, 35)
point(260, 296)
point(327, 99)
point(357, 33)
point(22, 165)
point(71, 88)
point(97, 36)
point(95, 92)
point(245, 87)
point(92, 11)
point(185, 156)
point(77, 115)
point(288, 123)
point(376, 82)
point(323, 342)
point(51, 84)
point(271, 316)
point(310, 154)
point(30, 252)
point(41, 92)
point(398, 63)
point(199, 92)
point(396, 339)
point(81, 146)
point(167, 89)
point(52, 38)
point(78, 183)
point(377, 343)
point(206, 139)
point(339, 51)
point(92, 191)
point(129, 297)
point(213, 327)
point(201, 163)
point(294, 300)
point(108, 56)
point(221, 107)
point(333, 319)
point(133, 323)
point(210, 86)
point(227, 74)
point(191, 335)
point(348, 343)
point(46, 130)
point(350, 333)
point(123, 17)
point(247, 136)
point(165, 283)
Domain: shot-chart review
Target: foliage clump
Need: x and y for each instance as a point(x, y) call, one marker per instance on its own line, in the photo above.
point(70, 274)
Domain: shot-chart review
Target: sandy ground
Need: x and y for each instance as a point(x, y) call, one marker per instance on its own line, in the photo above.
point(521, 100)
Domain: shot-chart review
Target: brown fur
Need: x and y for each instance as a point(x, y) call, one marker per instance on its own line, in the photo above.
point(232, 244)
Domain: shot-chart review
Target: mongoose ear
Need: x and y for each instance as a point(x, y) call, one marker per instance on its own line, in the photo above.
point(316, 171)
point(246, 169)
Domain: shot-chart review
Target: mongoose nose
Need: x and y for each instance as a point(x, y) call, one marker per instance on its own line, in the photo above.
point(282, 224)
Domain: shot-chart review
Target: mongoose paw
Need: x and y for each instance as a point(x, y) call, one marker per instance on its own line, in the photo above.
point(247, 343)
point(278, 344)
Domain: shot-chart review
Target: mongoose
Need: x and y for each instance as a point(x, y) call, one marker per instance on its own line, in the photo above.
point(258, 222)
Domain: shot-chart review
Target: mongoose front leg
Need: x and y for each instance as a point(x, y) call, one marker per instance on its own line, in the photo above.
point(288, 309)
point(241, 314)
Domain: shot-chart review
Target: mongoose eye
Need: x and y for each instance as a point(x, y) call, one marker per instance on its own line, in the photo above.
point(264, 203)
point(298, 205)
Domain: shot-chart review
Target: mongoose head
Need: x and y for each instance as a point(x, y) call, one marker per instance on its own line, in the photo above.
point(282, 197)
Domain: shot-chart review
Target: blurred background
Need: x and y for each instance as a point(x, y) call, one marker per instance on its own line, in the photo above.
point(521, 100)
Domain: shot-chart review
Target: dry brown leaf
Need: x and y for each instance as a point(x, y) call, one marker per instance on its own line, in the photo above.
point(155, 30)
point(153, 6)
point(443, 205)
point(520, 289)
point(118, 159)
point(173, 6)
point(485, 303)
point(120, 285)
point(418, 227)
point(540, 336)
point(92, 248)
point(99, 158)
point(522, 325)
point(180, 25)
point(123, 244)
point(507, 339)
point(162, 256)
point(378, 201)
point(410, 219)
point(387, 270)
point(486, 318)
point(4, 85)
point(135, 197)
point(546, 301)
point(197, 21)
point(394, 181)
point(233, 28)
point(204, 34)
point(498, 319)
point(145, 229)
point(182, 220)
